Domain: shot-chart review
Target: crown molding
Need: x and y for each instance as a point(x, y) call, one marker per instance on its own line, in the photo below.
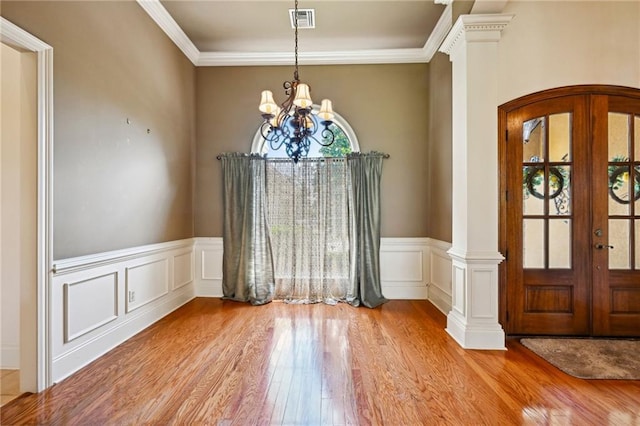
point(378, 56)
point(439, 33)
point(475, 27)
point(165, 21)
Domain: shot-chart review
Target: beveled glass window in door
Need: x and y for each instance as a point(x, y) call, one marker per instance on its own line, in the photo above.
point(546, 189)
point(624, 190)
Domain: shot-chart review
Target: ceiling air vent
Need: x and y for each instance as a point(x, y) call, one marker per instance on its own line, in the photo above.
point(306, 18)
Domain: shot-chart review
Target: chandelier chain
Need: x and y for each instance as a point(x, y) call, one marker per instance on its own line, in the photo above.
point(295, 126)
point(295, 19)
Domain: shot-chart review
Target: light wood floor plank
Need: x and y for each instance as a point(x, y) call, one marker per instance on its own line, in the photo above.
point(225, 363)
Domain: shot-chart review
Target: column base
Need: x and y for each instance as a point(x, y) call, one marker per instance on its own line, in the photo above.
point(486, 336)
point(473, 320)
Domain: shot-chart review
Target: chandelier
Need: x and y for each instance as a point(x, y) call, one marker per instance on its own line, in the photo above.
point(293, 124)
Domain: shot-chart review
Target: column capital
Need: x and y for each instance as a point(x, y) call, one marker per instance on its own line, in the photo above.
point(483, 28)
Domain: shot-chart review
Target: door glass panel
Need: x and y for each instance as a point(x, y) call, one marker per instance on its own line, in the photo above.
point(637, 244)
point(559, 190)
point(560, 137)
point(534, 139)
point(560, 244)
point(636, 186)
point(619, 239)
point(533, 243)
point(636, 136)
point(618, 137)
point(533, 190)
point(619, 189)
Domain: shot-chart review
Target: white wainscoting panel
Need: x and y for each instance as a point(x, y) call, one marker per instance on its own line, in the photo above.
point(146, 282)
point(410, 268)
point(183, 269)
point(89, 298)
point(208, 252)
point(440, 279)
point(404, 266)
point(89, 304)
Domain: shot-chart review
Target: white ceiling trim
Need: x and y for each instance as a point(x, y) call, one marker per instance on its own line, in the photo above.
point(378, 56)
point(439, 33)
point(165, 21)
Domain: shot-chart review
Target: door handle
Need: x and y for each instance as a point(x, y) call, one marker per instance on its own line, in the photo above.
point(603, 246)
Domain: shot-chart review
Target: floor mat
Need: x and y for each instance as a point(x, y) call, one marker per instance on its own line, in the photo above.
point(590, 358)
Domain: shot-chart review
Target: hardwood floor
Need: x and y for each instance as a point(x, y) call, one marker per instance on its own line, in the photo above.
point(221, 362)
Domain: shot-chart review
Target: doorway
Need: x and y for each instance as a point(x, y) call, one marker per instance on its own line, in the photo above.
point(18, 230)
point(570, 212)
point(35, 354)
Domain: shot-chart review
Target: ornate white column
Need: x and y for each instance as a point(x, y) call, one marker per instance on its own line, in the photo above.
point(472, 45)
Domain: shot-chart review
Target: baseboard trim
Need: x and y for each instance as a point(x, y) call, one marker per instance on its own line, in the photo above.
point(69, 362)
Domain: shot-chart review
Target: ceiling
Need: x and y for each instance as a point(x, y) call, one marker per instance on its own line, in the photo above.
point(258, 32)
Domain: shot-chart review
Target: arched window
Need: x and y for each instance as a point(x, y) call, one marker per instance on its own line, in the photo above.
point(344, 143)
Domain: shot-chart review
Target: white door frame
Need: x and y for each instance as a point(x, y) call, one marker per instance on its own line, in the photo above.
point(14, 36)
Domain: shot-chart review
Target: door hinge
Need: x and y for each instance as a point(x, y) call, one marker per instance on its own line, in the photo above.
point(506, 195)
point(506, 255)
point(506, 135)
point(507, 316)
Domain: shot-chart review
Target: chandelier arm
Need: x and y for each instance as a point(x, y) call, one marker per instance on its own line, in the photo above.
point(326, 134)
point(266, 129)
point(276, 143)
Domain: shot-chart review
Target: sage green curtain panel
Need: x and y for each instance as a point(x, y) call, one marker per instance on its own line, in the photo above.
point(366, 172)
point(247, 264)
point(324, 218)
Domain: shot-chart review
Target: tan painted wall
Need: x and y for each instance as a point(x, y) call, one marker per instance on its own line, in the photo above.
point(440, 141)
point(387, 106)
point(115, 185)
point(561, 43)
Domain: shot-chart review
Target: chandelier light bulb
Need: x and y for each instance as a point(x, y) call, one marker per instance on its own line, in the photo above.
point(303, 97)
point(267, 104)
point(326, 111)
point(276, 115)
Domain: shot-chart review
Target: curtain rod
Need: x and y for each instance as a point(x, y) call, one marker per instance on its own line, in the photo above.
point(385, 156)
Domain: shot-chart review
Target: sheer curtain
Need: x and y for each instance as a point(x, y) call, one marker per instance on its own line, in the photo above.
point(247, 263)
point(312, 230)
